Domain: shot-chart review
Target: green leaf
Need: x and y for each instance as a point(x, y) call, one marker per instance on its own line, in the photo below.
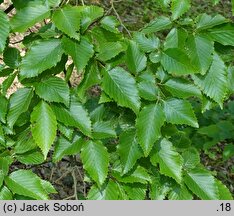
point(31, 158)
point(66, 131)
point(159, 188)
point(148, 124)
point(2, 136)
point(28, 16)
point(75, 116)
point(135, 58)
point(224, 193)
point(7, 83)
point(182, 88)
point(44, 126)
point(121, 86)
point(110, 23)
point(205, 21)
point(108, 192)
point(24, 142)
point(170, 161)
point(180, 193)
point(95, 159)
point(3, 108)
point(228, 151)
point(200, 50)
point(176, 39)
point(53, 89)
point(191, 158)
point(4, 30)
point(81, 51)
point(67, 20)
point(109, 50)
point(214, 83)
point(91, 77)
point(48, 187)
point(139, 175)
point(128, 150)
point(103, 130)
point(179, 7)
point(5, 163)
point(65, 147)
point(11, 57)
point(146, 44)
point(136, 191)
point(18, 104)
point(180, 112)
point(202, 183)
point(148, 90)
point(25, 182)
point(158, 24)
point(5, 194)
point(89, 15)
point(175, 61)
point(223, 34)
point(41, 56)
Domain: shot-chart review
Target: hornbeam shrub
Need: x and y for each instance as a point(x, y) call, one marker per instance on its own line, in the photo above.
point(126, 117)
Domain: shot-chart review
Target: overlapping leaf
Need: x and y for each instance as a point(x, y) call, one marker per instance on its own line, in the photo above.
point(148, 124)
point(129, 150)
point(182, 88)
point(202, 183)
point(53, 89)
point(135, 58)
point(24, 182)
point(200, 50)
point(159, 24)
point(18, 104)
point(178, 8)
point(28, 16)
point(95, 159)
point(67, 19)
point(214, 84)
point(41, 57)
point(175, 61)
point(179, 112)
point(44, 126)
point(81, 51)
point(121, 86)
point(4, 30)
point(74, 116)
point(170, 161)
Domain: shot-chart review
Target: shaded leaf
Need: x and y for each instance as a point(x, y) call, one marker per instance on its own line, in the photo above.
point(95, 159)
point(44, 126)
point(135, 58)
point(18, 104)
point(128, 150)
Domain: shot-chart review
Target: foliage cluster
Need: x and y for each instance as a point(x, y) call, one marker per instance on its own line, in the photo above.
point(135, 136)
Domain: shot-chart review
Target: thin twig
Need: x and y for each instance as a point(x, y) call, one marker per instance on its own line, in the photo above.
point(84, 185)
point(51, 174)
point(75, 184)
point(62, 176)
point(119, 18)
